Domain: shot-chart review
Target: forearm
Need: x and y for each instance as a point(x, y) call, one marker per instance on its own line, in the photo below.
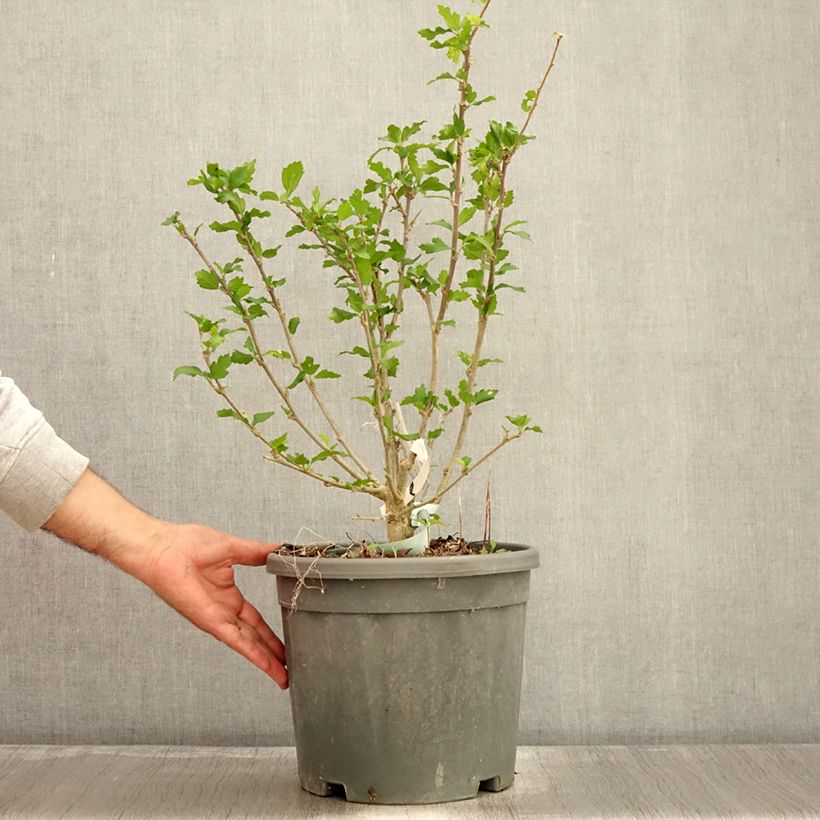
point(97, 518)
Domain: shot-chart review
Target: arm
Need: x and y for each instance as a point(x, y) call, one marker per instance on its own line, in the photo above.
point(45, 483)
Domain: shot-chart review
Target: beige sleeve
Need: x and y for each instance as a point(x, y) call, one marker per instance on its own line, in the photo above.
point(37, 468)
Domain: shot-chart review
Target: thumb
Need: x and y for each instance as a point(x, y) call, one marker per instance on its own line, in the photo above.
point(252, 553)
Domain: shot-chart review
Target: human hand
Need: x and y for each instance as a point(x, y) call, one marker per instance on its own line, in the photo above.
point(188, 566)
point(191, 568)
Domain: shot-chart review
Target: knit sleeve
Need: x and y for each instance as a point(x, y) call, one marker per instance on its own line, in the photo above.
point(37, 468)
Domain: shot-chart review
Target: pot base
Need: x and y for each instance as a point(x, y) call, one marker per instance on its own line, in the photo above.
point(354, 794)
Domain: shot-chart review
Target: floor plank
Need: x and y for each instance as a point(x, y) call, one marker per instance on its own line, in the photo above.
point(748, 781)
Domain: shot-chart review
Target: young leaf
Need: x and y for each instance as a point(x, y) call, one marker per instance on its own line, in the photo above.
point(229, 413)
point(436, 245)
point(451, 19)
point(242, 174)
point(293, 323)
point(339, 315)
point(188, 370)
point(219, 368)
point(365, 270)
point(258, 418)
point(224, 227)
point(466, 215)
point(207, 279)
point(291, 176)
point(480, 396)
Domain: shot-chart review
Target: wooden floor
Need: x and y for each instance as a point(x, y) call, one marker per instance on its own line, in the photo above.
point(746, 781)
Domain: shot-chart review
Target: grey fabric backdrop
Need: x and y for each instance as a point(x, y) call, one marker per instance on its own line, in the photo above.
point(667, 345)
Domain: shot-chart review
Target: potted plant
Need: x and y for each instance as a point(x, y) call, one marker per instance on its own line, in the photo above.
point(404, 654)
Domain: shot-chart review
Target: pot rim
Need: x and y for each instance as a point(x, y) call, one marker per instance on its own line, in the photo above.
point(521, 557)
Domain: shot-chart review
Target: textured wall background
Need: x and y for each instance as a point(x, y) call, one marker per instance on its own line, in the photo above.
point(669, 334)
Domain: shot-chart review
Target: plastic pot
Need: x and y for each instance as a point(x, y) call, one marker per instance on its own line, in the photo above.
point(405, 673)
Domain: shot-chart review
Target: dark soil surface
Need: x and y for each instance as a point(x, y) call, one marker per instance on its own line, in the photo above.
point(439, 547)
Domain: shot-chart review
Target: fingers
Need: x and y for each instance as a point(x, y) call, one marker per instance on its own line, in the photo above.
point(251, 553)
point(250, 615)
point(243, 638)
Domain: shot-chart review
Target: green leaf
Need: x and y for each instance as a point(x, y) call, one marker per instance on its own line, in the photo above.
point(344, 211)
point(258, 418)
point(445, 76)
point(219, 368)
point(385, 173)
point(293, 323)
point(279, 444)
point(434, 434)
point(480, 396)
point(242, 174)
point(188, 370)
point(339, 315)
point(432, 184)
point(429, 34)
point(291, 176)
point(309, 365)
point(238, 357)
point(327, 374)
point(420, 398)
point(519, 421)
point(365, 270)
point(269, 195)
point(239, 288)
point(435, 246)
point(202, 323)
point(255, 213)
point(278, 354)
point(207, 279)
point(466, 215)
point(224, 227)
point(529, 97)
point(451, 19)
point(229, 413)
point(172, 220)
point(325, 454)
point(465, 462)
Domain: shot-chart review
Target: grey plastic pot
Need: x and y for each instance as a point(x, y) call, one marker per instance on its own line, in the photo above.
point(405, 673)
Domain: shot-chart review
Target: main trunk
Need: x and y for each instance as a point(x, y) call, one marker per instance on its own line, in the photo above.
point(398, 521)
